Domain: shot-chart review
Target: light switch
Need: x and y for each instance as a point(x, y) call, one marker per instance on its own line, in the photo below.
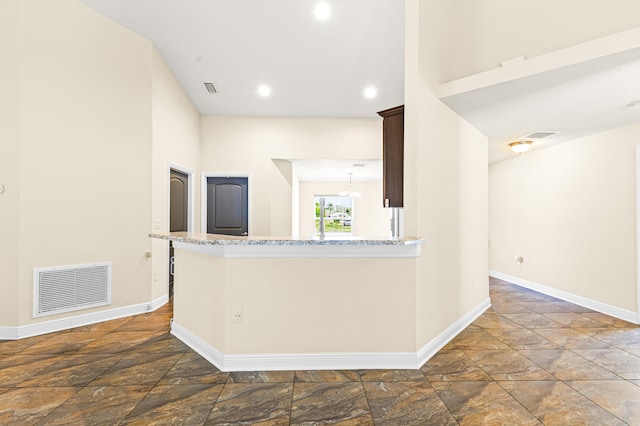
point(1, 188)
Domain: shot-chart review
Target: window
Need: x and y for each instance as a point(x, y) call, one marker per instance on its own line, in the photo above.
point(338, 214)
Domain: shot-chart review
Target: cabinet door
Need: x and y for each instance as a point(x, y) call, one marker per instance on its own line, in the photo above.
point(393, 156)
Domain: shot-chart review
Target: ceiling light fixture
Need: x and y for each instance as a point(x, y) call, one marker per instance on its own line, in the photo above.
point(349, 192)
point(264, 90)
point(322, 11)
point(520, 146)
point(370, 92)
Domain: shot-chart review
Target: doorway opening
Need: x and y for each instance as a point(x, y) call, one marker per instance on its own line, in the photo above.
point(180, 209)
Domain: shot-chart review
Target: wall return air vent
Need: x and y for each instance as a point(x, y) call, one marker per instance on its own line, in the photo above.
point(71, 288)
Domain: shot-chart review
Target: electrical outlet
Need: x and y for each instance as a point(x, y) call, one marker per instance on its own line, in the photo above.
point(237, 315)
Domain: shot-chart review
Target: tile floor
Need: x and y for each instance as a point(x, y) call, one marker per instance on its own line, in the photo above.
point(530, 359)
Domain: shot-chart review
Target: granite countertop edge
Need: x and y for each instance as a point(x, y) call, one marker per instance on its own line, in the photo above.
point(226, 240)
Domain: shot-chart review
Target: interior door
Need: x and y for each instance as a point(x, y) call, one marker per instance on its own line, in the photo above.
point(179, 201)
point(227, 205)
point(178, 212)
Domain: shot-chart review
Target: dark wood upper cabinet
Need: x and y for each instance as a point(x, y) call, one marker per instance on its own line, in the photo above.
point(393, 156)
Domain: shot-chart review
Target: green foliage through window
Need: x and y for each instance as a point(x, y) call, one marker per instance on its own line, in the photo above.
point(338, 214)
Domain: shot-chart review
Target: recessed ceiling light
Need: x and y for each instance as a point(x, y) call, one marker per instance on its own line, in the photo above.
point(322, 11)
point(264, 90)
point(370, 92)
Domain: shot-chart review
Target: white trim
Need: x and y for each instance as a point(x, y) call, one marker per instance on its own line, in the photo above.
point(203, 196)
point(610, 310)
point(322, 361)
point(198, 345)
point(432, 348)
point(326, 361)
point(638, 234)
point(190, 192)
point(310, 361)
point(303, 250)
point(20, 332)
point(191, 208)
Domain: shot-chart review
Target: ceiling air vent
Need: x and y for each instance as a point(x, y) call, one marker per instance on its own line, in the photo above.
point(538, 135)
point(211, 88)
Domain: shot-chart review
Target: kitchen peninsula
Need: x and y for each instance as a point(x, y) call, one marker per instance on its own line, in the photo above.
point(284, 303)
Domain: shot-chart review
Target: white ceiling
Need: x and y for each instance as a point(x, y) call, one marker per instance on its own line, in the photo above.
point(338, 170)
point(577, 100)
point(314, 68)
point(321, 68)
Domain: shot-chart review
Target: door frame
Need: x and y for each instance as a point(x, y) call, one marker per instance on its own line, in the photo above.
point(637, 234)
point(203, 196)
point(190, 192)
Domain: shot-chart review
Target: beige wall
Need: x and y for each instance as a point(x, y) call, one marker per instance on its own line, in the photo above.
point(485, 33)
point(569, 210)
point(85, 114)
point(343, 296)
point(320, 305)
point(369, 217)
point(176, 141)
point(250, 144)
point(9, 161)
point(200, 296)
point(85, 190)
point(445, 186)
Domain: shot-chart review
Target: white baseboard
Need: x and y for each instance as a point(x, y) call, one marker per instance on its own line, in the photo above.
point(21, 332)
point(432, 348)
point(610, 310)
point(205, 350)
point(326, 361)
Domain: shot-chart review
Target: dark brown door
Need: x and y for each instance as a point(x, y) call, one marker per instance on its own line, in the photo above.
point(179, 202)
point(178, 212)
point(227, 205)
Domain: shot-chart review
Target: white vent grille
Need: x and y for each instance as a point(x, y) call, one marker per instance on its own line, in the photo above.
point(70, 288)
point(539, 134)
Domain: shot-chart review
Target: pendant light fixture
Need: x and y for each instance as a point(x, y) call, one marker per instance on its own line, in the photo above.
point(349, 192)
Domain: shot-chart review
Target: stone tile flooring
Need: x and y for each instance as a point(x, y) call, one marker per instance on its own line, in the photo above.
point(529, 360)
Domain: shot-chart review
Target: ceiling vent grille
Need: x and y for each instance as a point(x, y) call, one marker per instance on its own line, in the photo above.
point(211, 88)
point(539, 135)
point(71, 288)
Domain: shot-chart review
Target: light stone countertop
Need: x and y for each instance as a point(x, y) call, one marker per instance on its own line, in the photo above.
point(229, 240)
